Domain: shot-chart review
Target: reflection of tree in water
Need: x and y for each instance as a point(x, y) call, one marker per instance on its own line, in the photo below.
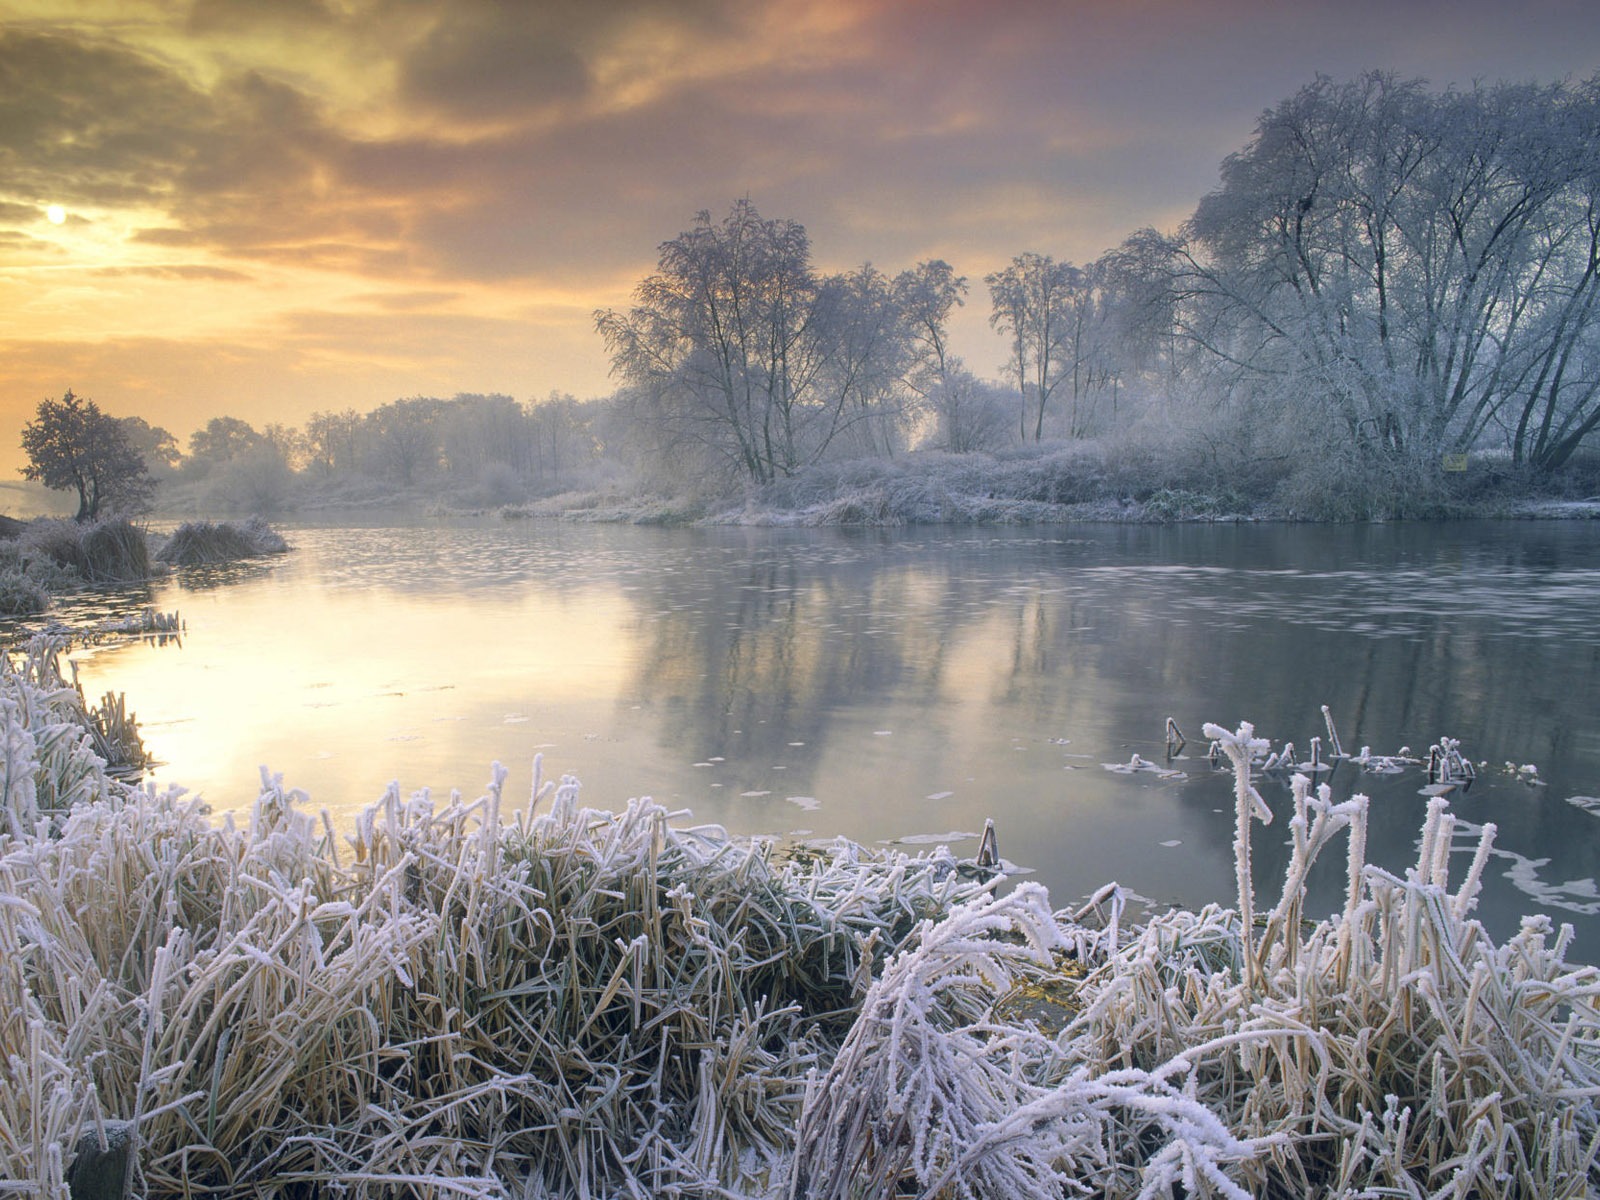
point(212, 576)
point(786, 649)
point(1102, 642)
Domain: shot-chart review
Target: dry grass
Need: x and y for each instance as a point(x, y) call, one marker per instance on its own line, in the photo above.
point(203, 543)
point(470, 1002)
point(1390, 1050)
point(109, 550)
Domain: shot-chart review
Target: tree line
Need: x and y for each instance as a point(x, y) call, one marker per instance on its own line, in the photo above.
point(1386, 275)
point(490, 445)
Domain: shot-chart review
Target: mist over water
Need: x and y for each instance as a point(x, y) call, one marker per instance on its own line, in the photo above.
point(908, 684)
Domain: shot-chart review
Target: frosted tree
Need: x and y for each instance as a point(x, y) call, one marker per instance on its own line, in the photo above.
point(1414, 271)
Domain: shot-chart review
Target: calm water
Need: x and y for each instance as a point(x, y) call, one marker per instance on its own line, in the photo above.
point(907, 685)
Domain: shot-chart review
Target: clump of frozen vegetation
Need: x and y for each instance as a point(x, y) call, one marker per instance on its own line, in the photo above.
point(199, 543)
point(459, 1000)
point(1389, 1050)
point(466, 1000)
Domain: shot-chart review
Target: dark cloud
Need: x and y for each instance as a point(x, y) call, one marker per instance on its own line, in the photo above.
point(234, 16)
point(92, 122)
point(494, 62)
point(498, 62)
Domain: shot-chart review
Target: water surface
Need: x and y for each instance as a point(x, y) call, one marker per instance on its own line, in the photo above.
point(907, 685)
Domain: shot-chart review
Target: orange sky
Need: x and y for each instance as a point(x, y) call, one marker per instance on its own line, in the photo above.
point(269, 207)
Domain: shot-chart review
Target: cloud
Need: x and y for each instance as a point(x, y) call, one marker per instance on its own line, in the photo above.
point(175, 271)
point(84, 121)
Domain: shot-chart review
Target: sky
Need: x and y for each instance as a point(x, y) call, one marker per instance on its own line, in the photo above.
point(263, 208)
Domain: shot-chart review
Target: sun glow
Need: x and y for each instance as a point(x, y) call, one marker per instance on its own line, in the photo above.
point(56, 215)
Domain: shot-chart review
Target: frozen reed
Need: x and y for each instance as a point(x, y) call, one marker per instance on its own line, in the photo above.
point(458, 1000)
point(1389, 1050)
point(201, 543)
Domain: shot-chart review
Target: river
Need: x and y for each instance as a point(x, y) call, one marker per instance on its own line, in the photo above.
point(903, 686)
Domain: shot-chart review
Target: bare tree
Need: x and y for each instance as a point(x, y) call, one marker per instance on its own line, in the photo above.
point(721, 346)
point(1030, 299)
point(1415, 270)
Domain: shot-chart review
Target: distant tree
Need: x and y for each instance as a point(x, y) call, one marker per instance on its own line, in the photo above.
point(155, 445)
point(477, 432)
point(926, 295)
point(863, 354)
point(72, 445)
point(562, 437)
point(721, 349)
point(288, 443)
point(1031, 299)
point(405, 438)
point(221, 440)
point(1411, 272)
point(333, 441)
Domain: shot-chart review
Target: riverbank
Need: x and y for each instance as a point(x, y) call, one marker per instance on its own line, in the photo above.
point(1077, 482)
point(49, 556)
point(495, 997)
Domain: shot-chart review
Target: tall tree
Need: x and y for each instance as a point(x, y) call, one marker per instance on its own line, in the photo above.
point(221, 440)
point(72, 446)
point(155, 445)
point(1418, 269)
point(927, 294)
point(721, 346)
point(405, 438)
point(1031, 298)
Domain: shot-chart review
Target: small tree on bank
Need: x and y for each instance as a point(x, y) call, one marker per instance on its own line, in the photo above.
point(72, 445)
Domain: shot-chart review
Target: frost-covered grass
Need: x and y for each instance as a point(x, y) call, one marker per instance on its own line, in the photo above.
point(466, 1000)
point(492, 998)
point(1389, 1050)
point(109, 550)
point(200, 543)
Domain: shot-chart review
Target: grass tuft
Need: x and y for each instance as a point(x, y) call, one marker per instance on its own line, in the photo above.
point(201, 543)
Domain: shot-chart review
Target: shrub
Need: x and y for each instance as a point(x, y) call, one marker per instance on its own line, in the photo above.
point(198, 543)
point(110, 550)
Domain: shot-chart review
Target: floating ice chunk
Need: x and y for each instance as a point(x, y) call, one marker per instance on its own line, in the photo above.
point(754, 794)
point(1137, 764)
point(940, 795)
point(1589, 804)
point(514, 719)
point(934, 839)
point(809, 803)
point(882, 732)
point(1173, 842)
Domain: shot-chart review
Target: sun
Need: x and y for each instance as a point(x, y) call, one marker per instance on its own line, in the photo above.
point(56, 215)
